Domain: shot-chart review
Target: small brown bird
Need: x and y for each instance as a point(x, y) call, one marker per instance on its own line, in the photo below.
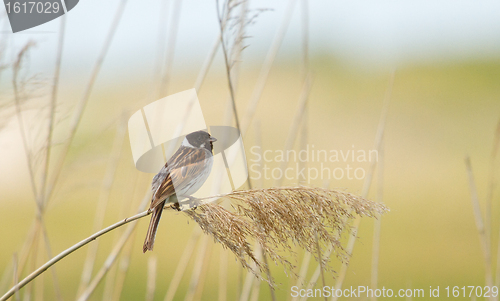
point(183, 174)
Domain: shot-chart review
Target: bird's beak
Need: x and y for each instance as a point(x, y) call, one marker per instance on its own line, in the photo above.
point(212, 139)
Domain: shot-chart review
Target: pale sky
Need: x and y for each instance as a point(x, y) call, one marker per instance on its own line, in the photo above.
point(372, 32)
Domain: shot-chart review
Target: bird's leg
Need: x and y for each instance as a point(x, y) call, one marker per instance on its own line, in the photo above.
point(176, 206)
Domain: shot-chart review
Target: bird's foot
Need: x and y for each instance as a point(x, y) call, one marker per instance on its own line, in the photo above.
point(176, 206)
point(193, 202)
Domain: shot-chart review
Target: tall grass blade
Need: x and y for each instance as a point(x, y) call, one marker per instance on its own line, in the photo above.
point(80, 107)
point(266, 68)
point(169, 56)
point(151, 280)
point(102, 203)
point(479, 223)
point(197, 268)
point(182, 265)
point(368, 180)
point(294, 127)
point(377, 223)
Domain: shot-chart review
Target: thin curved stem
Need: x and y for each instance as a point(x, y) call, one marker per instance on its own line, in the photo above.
point(70, 250)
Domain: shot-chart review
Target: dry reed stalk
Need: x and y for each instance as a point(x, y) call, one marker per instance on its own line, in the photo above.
point(23, 255)
point(48, 249)
point(303, 140)
point(182, 265)
point(16, 68)
point(258, 142)
point(320, 262)
point(247, 286)
point(377, 222)
point(124, 262)
point(319, 269)
point(479, 223)
point(111, 281)
point(198, 266)
point(123, 267)
point(304, 74)
point(39, 193)
point(80, 107)
point(169, 56)
point(31, 262)
point(380, 132)
point(304, 14)
point(494, 153)
point(18, 101)
point(52, 107)
point(203, 274)
point(491, 185)
point(222, 289)
point(236, 55)
point(249, 279)
point(234, 68)
point(39, 223)
point(307, 259)
point(368, 180)
point(164, 66)
point(408, 286)
point(224, 19)
point(260, 183)
point(110, 260)
point(206, 64)
point(102, 203)
point(256, 284)
point(238, 279)
point(269, 279)
point(151, 280)
point(32, 237)
point(294, 127)
point(16, 276)
point(317, 272)
point(199, 81)
point(48, 189)
point(303, 271)
point(160, 51)
point(304, 131)
point(40, 283)
point(483, 225)
point(107, 264)
point(238, 47)
point(266, 68)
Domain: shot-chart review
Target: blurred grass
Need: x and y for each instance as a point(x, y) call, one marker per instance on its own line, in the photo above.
point(438, 114)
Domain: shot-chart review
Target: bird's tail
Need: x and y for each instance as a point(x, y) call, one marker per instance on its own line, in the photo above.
point(153, 226)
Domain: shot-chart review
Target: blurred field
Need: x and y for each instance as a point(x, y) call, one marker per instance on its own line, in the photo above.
point(438, 114)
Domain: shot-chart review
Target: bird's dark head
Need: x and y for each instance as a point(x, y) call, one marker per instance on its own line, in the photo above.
point(199, 139)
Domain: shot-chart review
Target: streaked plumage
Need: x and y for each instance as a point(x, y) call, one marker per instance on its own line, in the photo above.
point(183, 174)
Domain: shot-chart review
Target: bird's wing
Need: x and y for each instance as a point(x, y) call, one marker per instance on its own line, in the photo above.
point(180, 169)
